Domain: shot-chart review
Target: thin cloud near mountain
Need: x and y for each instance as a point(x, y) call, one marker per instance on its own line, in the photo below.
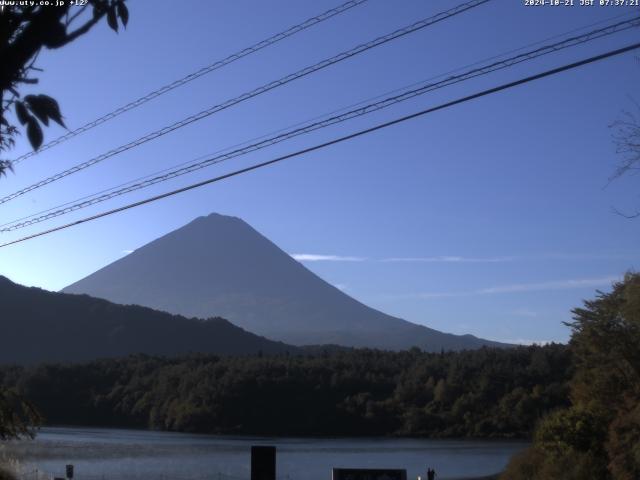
point(312, 257)
point(449, 259)
point(523, 287)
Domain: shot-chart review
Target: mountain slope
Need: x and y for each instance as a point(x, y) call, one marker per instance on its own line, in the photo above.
point(39, 326)
point(219, 265)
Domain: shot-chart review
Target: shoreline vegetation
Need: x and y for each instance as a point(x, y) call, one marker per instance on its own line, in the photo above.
point(5, 473)
point(9, 467)
point(486, 393)
point(598, 434)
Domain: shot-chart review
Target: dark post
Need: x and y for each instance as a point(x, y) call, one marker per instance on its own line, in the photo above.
point(263, 463)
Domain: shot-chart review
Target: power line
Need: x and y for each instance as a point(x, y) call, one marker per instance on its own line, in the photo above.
point(310, 22)
point(59, 209)
point(260, 90)
point(335, 141)
point(195, 165)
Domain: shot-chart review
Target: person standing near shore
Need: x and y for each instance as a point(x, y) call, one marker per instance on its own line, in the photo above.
point(431, 474)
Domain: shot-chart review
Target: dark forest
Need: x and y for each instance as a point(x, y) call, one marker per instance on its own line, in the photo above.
point(482, 393)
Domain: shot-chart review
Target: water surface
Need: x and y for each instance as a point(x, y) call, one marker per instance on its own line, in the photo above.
point(112, 454)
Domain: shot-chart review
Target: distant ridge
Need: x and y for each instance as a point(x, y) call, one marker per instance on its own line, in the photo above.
point(40, 326)
point(219, 266)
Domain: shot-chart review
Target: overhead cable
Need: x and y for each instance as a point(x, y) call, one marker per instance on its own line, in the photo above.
point(310, 127)
point(335, 141)
point(258, 91)
point(310, 22)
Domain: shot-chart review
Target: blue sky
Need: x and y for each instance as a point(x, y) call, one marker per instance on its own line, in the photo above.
point(490, 218)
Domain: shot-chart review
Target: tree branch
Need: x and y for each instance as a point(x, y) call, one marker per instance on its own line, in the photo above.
point(82, 30)
point(76, 15)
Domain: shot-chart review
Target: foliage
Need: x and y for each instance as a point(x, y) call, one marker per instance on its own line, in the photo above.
point(623, 446)
point(481, 393)
point(532, 464)
point(626, 137)
point(18, 416)
point(25, 29)
point(566, 432)
point(6, 473)
point(599, 435)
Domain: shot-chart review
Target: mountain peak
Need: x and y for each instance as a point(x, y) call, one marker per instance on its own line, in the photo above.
point(219, 265)
point(218, 217)
point(216, 223)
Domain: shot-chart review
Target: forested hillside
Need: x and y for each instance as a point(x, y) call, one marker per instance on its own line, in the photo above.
point(482, 393)
point(41, 326)
point(598, 435)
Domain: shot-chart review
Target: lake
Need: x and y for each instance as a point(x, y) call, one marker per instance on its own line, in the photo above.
point(112, 454)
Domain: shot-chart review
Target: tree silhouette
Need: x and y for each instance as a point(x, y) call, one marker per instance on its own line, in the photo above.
point(24, 31)
point(18, 417)
point(626, 137)
point(598, 435)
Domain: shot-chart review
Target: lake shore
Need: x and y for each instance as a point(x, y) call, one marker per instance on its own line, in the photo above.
point(151, 455)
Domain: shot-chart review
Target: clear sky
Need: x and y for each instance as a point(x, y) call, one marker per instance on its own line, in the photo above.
point(490, 218)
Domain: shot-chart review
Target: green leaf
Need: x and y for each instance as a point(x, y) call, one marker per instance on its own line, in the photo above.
point(21, 113)
point(5, 166)
point(45, 106)
point(112, 20)
point(123, 13)
point(34, 133)
point(37, 108)
point(99, 8)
